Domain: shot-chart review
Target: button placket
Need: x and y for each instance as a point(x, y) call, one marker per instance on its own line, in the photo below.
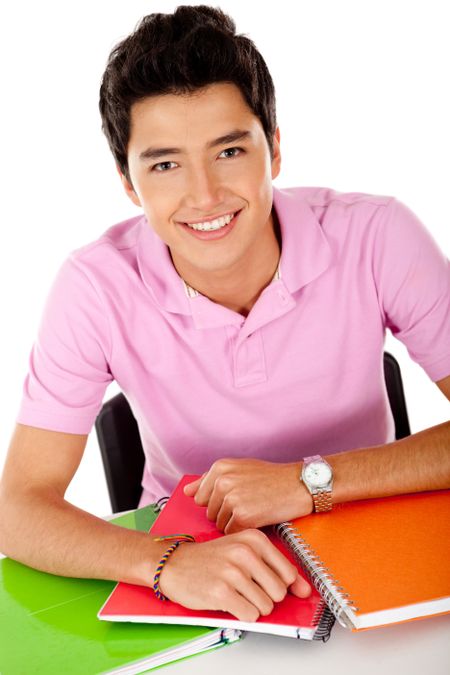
point(249, 363)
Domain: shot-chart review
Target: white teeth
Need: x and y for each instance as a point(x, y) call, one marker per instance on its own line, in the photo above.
point(213, 224)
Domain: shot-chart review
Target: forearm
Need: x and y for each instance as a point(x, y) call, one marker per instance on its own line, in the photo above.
point(243, 574)
point(44, 531)
point(242, 493)
point(413, 464)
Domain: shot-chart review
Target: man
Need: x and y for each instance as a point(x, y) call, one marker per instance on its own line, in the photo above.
point(244, 324)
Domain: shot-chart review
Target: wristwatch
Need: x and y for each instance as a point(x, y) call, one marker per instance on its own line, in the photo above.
point(317, 476)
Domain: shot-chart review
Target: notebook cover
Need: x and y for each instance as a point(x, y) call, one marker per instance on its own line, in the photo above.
point(49, 625)
point(386, 553)
point(182, 514)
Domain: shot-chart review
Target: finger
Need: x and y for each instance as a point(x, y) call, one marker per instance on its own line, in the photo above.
point(248, 561)
point(204, 489)
point(280, 565)
point(264, 576)
point(232, 525)
point(223, 516)
point(191, 488)
point(216, 505)
point(241, 608)
point(301, 588)
point(254, 594)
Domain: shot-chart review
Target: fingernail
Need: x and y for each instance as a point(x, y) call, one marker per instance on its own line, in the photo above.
point(306, 587)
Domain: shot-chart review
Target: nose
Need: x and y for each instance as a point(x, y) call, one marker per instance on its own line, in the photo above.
point(203, 190)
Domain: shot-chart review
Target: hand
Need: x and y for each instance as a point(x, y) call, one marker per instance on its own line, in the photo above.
point(247, 493)
point(243, 574)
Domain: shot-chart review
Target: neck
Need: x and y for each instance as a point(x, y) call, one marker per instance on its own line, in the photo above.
point(239, 286)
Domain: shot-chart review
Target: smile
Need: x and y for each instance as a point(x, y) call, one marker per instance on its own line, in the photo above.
point(212, 229)
point(215, 224)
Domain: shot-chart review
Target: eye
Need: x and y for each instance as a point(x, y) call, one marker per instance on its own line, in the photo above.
point(235, 151)
point(162, 167)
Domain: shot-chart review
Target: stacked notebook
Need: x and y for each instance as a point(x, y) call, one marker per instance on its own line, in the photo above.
point(293, 617)
point(49, 625)
point(372, 563)
point(378, 561)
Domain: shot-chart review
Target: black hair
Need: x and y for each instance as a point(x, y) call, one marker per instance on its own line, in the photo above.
point(178, 53)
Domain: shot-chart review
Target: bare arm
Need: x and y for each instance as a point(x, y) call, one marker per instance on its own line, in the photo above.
point(244, 573)
point(252, 493)
point(41, 529)
point(413, 464)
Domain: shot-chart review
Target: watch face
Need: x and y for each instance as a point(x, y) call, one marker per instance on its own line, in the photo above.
point(317, 474)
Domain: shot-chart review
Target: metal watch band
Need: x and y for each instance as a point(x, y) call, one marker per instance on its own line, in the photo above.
point(322, 500)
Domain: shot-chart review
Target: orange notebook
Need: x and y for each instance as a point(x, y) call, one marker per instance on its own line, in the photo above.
point(378, 561)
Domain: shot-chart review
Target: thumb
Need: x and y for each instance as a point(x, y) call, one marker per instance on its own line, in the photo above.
point(301, 588)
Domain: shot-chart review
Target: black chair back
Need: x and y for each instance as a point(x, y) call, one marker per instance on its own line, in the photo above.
point(396, 395)
point(122, 453)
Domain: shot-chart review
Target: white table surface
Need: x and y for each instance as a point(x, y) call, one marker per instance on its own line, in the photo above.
point(414, 648)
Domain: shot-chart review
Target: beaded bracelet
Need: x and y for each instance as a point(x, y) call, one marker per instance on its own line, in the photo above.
point(179, 539)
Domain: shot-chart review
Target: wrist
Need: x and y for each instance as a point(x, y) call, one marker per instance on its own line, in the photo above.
point(351, 481)
point(301, 498)
point(174, 541)
point(147, 558)
point(169, 579)
point(166, 578)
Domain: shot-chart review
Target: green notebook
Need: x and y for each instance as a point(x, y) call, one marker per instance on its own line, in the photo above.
point(49, 625)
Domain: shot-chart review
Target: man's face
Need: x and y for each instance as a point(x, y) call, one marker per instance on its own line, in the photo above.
point(183, 170)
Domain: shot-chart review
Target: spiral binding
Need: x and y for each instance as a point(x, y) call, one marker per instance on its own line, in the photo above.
point(318, 613)
point(325, 623)
point(337, 600)
point(160, 504)
point(229, 635)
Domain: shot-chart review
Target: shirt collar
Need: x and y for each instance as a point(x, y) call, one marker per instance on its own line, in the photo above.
point(305, 251)
point(305, 255)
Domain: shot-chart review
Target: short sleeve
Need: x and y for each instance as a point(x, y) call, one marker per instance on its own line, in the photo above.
point(412, 276)
point(68, 368)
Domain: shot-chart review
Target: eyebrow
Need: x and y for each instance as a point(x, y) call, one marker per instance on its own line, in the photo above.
point(231, 137)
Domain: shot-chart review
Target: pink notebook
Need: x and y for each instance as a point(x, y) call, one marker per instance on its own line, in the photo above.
point(293, 617)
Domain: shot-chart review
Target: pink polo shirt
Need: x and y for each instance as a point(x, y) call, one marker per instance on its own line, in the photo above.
point(301, 375)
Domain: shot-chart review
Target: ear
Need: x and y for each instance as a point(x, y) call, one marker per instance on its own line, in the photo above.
point(129, 189)
point(276, 161)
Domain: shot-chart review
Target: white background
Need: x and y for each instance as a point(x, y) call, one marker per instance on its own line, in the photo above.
point(363, 105)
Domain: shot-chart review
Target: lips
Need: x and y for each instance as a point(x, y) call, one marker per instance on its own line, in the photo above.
point(209, 235)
